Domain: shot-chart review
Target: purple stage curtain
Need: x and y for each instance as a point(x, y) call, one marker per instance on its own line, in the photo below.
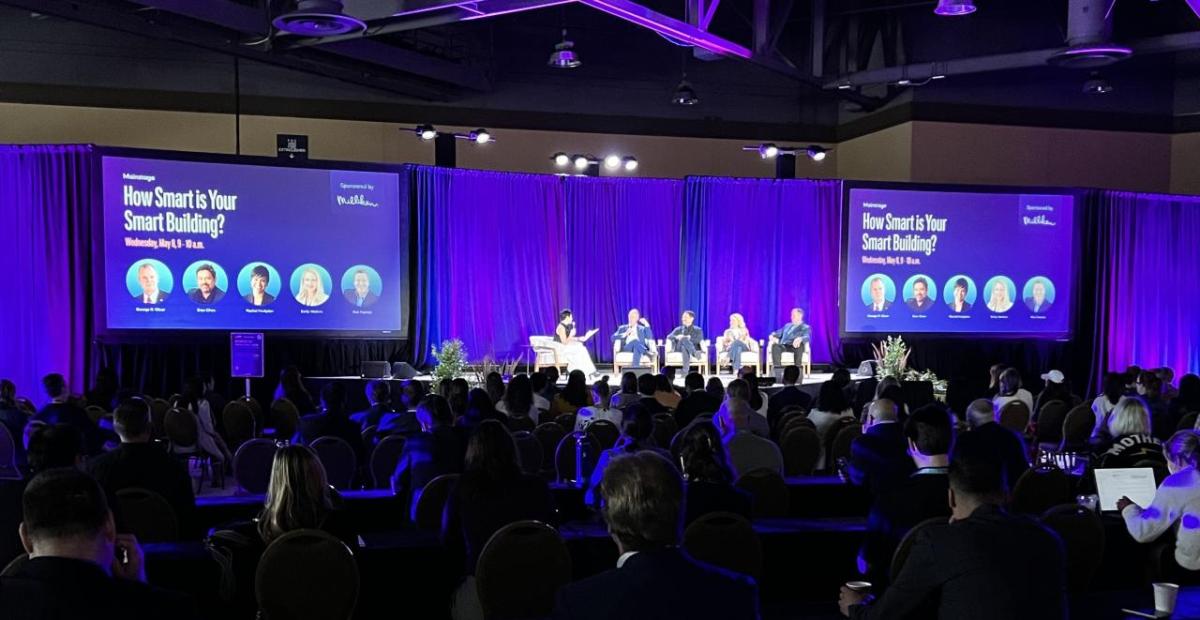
point(622, 252)
point(489, 260)
point(762, 247)
point(1150, 263)
point(45, 245)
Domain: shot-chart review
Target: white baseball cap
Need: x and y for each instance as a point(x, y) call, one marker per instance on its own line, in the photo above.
point(1054, 376)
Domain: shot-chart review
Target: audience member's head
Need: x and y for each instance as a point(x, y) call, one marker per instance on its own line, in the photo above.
point(976, 476)
point(298, 495)
point(701, 455)
point(457, 396)
point(1149, 386)
point(1130, 417)
point(602, 393)
point(733, 416)
point(646, 384)
point(629, 383)
point(1010, 381)
point(492, 453)
point(333, 398)
point(411, 393)
point(1114, 387)
point(737, 389)
point(495, 386)
point(663, 384)
point(791, 375)
point(637, 426)
point(60, 445)
point(434, 411)
point(576, 392)
point(1188, 398)
point(291, 385)
point(882, 410)
point(885, 384)
point(518, 398)
point(539, 380)
point(379, 392)
point(551, 377)
point(642, 502)
point(55, 386)
point(715, 388)
point(832, 398)
point(1182, 450)
point(693, 382)
point(980, 412)
point(66, 515)
point(841, 377)
point(930, 433)
point(8, 393)
point(479, 408)
point(131, 420)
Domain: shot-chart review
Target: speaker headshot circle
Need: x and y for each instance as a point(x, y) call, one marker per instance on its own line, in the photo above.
point(960, 293)
point(361, 286)
point(878, 292)
point(1038, 294)
point(1000, 291)
point(919, 293)
point(311, 284)
point(149, 282)
point(258, 284)
point(205, 282)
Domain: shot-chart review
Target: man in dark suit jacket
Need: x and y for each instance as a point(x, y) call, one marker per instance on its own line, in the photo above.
point(379, 395)
point(879, 457)
point(654, 577)
point(983, 564)
point(148, 278)
point(80, 567)
point(139, 463)
point(789, 396)
point(438, 449)
point(62, 410)
point(13, 418)
point(879, 302)
point(1037, 303)
point(1010, 446)
point(361, 295)
point(697, 401)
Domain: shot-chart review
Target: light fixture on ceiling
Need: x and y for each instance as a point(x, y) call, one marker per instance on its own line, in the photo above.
point(480, 136)
point(581, 162)
point(1097, 85)
point(954, 8)
point(768, 150)
point(591, 165)
point(684, 94)
point(612, 162)
point(630, 162)
point(426, 132)
point(318, 18)
point(564, 56)
point(562, 160)
point(816, 153)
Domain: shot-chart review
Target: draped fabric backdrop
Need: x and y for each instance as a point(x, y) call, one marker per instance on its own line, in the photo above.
point(622, 252)
point(762, 247)
point(45, 248)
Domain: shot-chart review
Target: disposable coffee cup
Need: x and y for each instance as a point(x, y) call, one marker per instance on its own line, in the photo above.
point(864, 586)
point(1164, 597)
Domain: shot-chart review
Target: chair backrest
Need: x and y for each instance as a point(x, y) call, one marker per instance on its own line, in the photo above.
point(796, 422)
point(307, 574)
point(8, 456)
point(1040, 489)
point(1050, 422)
point(548, 434)
point(338, 459)
point(14, 565)
point(427, 514)
point(529, 450)
point(284, 418)
point(95, 412)
point(520, 570)
point(837, 427)
point(566, 421)
point(1077, 427)
point(789, 414)
point(158, 408)
point(147, 515)
point(384, 458)
point(900, 555)
point(182, 427)
point(1188, 421)
point(770, 494)
point(839, 448)
point(564, 456)
point(664, 429)
point(522, 423)
point(238, 421)
point(1082, 533)
point(541, 341)
point(252, 465)
point(1014, 415)
point(726, 540)
point(801, 449)
point(605, 433)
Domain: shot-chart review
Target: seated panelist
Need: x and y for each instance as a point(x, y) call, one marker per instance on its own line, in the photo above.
point(635, 336)
point(687, 339)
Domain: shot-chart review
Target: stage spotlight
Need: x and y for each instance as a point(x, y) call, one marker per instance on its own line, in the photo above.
point(1097, 85)
point(631, 163)
point(480, 136)
point(564, 56)
point(816, 153)
point(684, 94)
point(953, 8)
point(561, 160)
point(426, 132)
point(767, 150)
point(612, 162)
point(581, 162)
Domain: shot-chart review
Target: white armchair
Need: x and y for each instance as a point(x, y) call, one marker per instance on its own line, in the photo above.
point(753, 357)
point(625, 358)
point(788, 358)
point(671, 357)
point(545, 352)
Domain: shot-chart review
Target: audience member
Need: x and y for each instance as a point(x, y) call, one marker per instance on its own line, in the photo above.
point(695, 402)
point(434, 451)
point(379, 399)
point(637, 435)
point(754, 395)
point(1103, 405)
point(602, 410)
point(664, 392)
point(491, 493)
point(573, 397)
point(550, 390)
point(291, 387)
point(1010, 390)
point(983, 564)
point(411, 393)
point(747, 450)
point(332, 421)
point(518, 399)
point(879, 457)
point(479, 408)
point(14, 419)
point(715, 388)
point(456, 396)
point(1056, 388)
point(208, 439)
point(104, 390)
point(494, 384)
point(1176, 501)
point(1186, 400)
point(708, 479)
point(739, 389)
point(930, 435)
point(53, 446)
point(654, 578)
point(299, 497)
point(647, 385)
point(994, 373)
point(62, 409)
point(1130, 427)
point(402, 421)
point(981, 418)
point(831, 406)
point(1167, 376)
point(140, 463)
point(789, 396)
point(539, 383)
point(629, 391)
point(1149, 388)
point(79, 567)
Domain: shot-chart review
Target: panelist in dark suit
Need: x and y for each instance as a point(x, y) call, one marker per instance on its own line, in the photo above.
point(793, 337)
point(148, 278)
point(687, 339)
point(260, 277)
point(959, 304)
point(654, 577)
point(206, 291)
point(1037, 303)
point(878, 302)
point(920, 301)
point(635, 337)
point(983, 564)
point(361, 295)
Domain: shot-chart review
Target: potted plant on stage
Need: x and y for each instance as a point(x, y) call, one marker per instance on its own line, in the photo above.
point(451, 362)
point(891, 360)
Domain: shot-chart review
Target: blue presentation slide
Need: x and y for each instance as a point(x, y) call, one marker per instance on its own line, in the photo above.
point(957, 262)
point(220, 246)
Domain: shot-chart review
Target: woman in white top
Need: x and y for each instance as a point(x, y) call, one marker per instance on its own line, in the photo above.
point(999, 301)
point(1102, 407)
point(312, 289)
point(574, 351)
point(736, 340)
point(602, 410)
point(1010, 390)
point(831, 406)
point(1176, 501)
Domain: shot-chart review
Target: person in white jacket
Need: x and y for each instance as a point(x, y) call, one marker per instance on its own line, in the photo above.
point(1177, 501)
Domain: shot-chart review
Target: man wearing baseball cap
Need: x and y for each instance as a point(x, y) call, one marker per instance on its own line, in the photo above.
point(1055, 388)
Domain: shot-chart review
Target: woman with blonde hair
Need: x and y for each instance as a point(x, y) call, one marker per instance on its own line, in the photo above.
point(1177, 500)
point(999, 301)
point(299, 497)
point(312, 288)
point(736, 340)
point(1132, 440)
